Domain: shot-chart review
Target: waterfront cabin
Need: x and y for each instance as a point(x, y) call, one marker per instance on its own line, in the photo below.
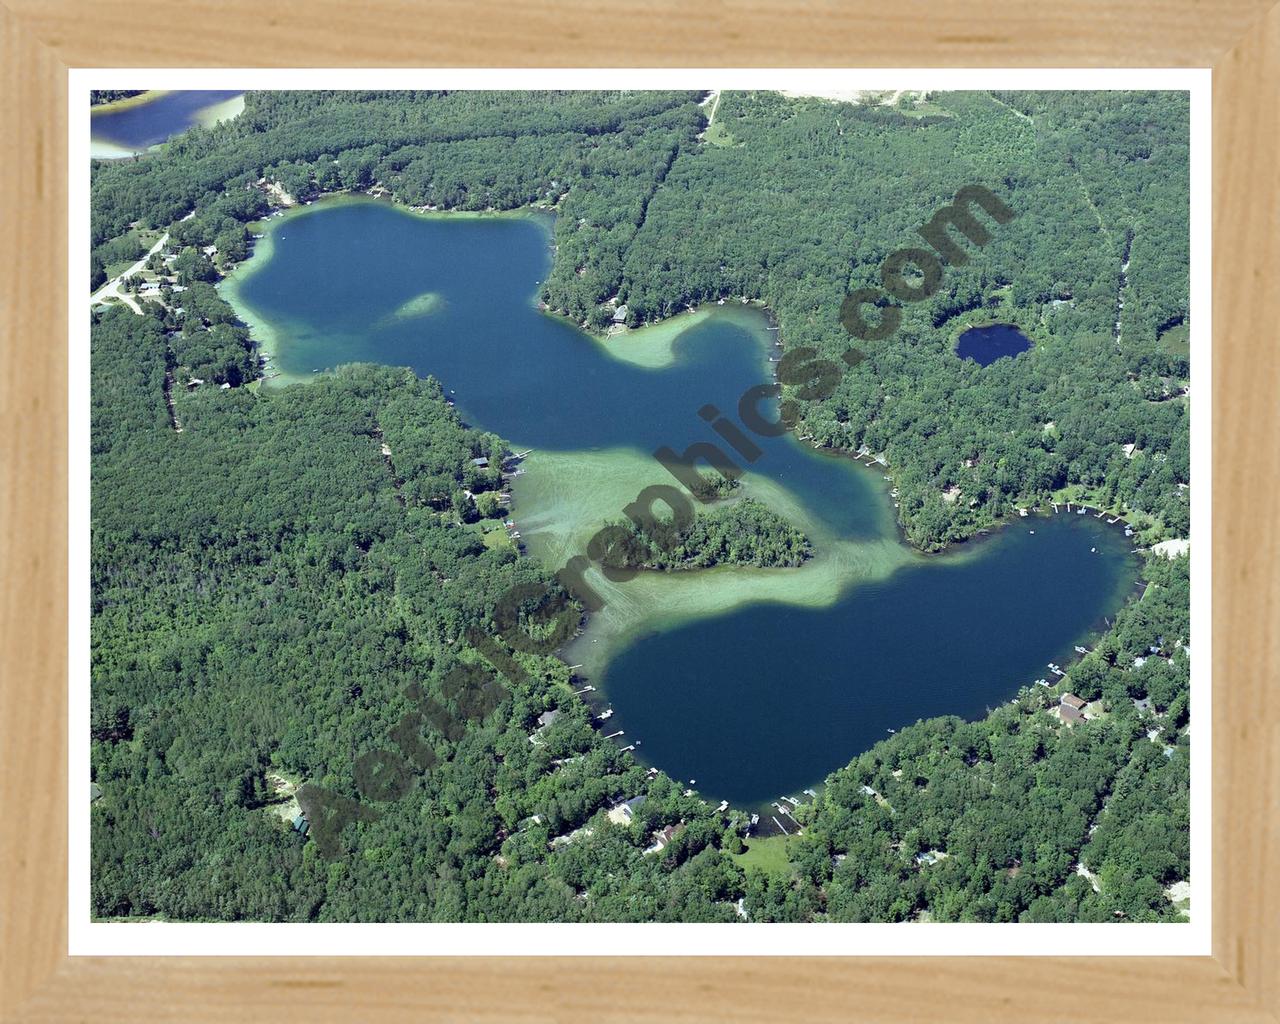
point(1069, 715)
point(1072, 701)
point(624, 812)
point(620, 315)
point(544, 720)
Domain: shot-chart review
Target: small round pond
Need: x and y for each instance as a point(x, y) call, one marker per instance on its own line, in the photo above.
point(985, 345)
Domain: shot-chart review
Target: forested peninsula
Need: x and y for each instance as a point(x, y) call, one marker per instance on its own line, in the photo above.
point(744, 532)
point(277, 573)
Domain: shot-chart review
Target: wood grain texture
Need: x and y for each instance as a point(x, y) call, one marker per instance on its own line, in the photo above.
point(39, 40)
point(658, 33)
point(1246, 541)
point(33, 512)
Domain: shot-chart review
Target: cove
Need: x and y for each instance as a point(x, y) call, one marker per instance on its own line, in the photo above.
point(985, 345)
point(754, 682)
point(140, 122)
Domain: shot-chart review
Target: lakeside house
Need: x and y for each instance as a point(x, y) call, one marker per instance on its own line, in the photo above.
point(1072, 701)
point(1069, 715)
point(662, 838)
point(620, 314)
point(564, 840)
point(481, 463)
point(544, 720)
point(624, 812)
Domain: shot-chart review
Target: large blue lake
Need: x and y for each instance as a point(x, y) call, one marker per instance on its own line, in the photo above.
point(756, 683)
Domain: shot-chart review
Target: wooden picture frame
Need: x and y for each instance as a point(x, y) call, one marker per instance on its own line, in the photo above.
point(41, 39)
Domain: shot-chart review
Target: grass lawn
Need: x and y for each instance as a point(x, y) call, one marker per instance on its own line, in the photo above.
point(1176, 341)
point(924, 108)
point(498, 539)
point(718, 135)
point(768, 855)
point(144, 239)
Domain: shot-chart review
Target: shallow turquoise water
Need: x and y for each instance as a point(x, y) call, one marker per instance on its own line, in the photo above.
point(143, 125)
point(767, 698)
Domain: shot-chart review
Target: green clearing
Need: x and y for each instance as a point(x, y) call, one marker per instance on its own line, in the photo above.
point(923, 108)
point(1176, 341)
point(718, 135)
point(498, 540)
point(767, 854)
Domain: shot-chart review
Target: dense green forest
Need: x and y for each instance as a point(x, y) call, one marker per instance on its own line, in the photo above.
point(744, 532)
point(99, 96)
point(273, 595)
point(801, 208)
point(1015, 801)
point(268, 590)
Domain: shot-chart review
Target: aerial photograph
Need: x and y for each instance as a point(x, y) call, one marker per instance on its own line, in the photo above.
point(639, 506)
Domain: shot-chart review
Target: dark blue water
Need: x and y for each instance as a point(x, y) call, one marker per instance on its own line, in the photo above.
point(985, 345)
point(144, 125)
point(339, 274)
point(766, 701)
point(758, 702)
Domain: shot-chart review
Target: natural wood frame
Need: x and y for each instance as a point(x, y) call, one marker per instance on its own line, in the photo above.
point(40, 39)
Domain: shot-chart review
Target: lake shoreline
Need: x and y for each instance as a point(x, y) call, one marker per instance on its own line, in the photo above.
point(104, 144)
point(822, 582)
point(328, 200)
